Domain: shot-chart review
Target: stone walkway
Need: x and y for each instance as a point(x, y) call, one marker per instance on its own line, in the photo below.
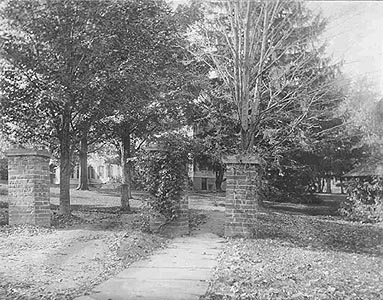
point(179, 272)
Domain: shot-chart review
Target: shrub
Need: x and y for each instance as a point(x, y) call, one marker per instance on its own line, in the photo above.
point(164, 173)
point(289, 184)
point(365, 201)
point(115, 179)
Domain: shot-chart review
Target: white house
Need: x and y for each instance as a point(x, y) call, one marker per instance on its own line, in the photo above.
point(99, 172)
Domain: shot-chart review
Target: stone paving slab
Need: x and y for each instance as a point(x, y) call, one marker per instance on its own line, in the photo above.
point(179, 272)
point(160, 274)
point(124, 289)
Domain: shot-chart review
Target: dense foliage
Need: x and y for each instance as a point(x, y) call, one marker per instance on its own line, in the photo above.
point(281, 88)
point(73, 72)
point(365, 201)
point(152, 79)
point(290, 181)
point(127, 70)
point(53, 66)
point(216, 132)
point(280, 84)
point(164, 171)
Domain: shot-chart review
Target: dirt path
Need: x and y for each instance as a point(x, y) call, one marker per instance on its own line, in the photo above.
point(207, 213)
point(209, 222)
point(45, 258)
point(63, 263)
point(179, 272)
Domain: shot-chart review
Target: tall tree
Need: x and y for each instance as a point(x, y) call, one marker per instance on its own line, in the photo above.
point(362, 110)
point(268, 55)
point(333, 144)
point(91, 135)
point(215, 129)
point(150, 77)
point(53, 61)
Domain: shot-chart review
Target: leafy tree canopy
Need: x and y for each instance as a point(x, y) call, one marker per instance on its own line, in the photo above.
point(268, 55)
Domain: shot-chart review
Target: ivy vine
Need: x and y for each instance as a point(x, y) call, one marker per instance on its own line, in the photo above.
point(164, 173)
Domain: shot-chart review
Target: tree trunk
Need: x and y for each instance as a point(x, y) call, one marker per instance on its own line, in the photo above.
point(322, 182)
point(328, 185)
point(341, 186)
point(244, 140)
point(65, 165)
point(83, 155)
point(126, 192)
point(218, 179)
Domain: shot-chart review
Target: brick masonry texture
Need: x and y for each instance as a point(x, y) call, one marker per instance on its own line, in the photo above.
point(242, 195)
point(28, 187)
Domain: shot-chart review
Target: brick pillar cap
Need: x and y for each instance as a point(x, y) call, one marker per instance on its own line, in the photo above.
point(242, 159)
point(28, 152)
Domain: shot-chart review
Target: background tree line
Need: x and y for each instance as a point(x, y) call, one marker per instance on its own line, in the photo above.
point(251, 77)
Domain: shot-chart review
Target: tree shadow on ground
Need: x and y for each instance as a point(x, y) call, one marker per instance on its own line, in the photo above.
point(94, 208)
point(328, 206)
point(85, 194)
point(205, 221)
point(318, 233)
point(96, 218)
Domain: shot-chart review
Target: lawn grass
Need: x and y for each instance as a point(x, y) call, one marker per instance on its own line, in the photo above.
point(271, 269)
point(298, 256)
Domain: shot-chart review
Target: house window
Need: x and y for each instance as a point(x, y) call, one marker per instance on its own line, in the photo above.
point(109, 170)
point(204, 184)
point(101, 171)
point(90, 172)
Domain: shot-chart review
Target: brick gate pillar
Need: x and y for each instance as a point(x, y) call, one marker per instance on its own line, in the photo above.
point(28, 187)
point(242, 194)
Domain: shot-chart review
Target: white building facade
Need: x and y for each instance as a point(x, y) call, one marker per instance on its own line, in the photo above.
point(99, 172)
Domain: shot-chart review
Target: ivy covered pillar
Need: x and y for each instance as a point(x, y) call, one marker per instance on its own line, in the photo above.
point(180, 225)
point(170, 176)
point(242, 194)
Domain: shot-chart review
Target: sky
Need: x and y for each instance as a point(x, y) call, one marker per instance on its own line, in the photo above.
point(354, 34)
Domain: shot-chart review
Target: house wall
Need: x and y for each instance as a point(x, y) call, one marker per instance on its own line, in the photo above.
point(101, 172)
point(98, 172)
